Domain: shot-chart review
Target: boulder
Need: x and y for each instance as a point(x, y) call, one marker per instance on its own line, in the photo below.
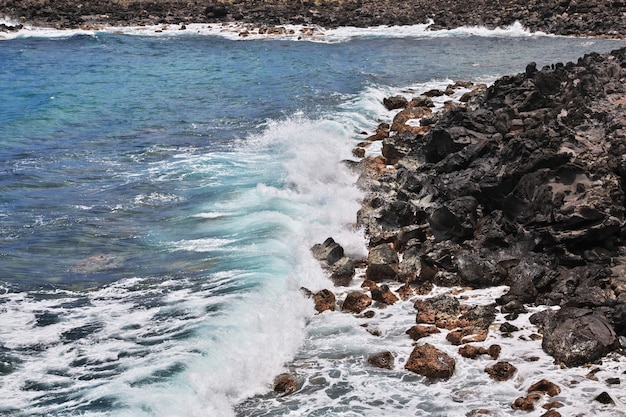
point(428, 361)
point(383, 294)
point(356, 302)
point(395, 102)
point(419, 331)
point(442, 311)
point(501, 371)
point(329, 251)
point(575, 336)
point(285, 384)
point(546, 387)
point(324, 300)
point(382, 360)
point(382, 263)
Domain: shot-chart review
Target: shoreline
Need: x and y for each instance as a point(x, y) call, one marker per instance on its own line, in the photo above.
point(559, 17)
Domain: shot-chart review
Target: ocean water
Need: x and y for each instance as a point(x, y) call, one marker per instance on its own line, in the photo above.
point(159, 193)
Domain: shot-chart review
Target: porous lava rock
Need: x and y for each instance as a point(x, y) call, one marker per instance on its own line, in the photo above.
point(430, 362)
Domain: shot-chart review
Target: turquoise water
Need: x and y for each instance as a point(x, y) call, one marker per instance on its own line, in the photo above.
point(158, 196)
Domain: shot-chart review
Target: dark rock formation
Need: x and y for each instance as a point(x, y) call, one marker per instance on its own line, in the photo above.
point(331, 257)
point(564, 17)
point(524, 185)
point(575, 336)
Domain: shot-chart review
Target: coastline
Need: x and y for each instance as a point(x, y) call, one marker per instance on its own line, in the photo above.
point(377, 169)
point(559, 17)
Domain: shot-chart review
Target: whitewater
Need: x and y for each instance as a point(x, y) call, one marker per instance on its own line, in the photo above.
point(161, 188)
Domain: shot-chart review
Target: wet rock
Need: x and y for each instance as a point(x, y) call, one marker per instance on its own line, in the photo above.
point(324, 300)
point(329, 251)
point(471, 352)
point(501, 371)
point(546, 387)
point(442, 311)
point(342, 271)
point(395, 102)
point(575, 336)
point(356, 302)
point(604, 398)
point(382, 263)
point(419, 331)
point(382, 360)
point(428, 361)
point(383, 294)
point(285, 384)
point(527, 403)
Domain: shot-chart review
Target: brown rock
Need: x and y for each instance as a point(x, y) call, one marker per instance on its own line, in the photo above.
point(382, 360)
point(545, 386)
point(430, 362)
point(405, 292)
point(469, 351)
point(494, 351)
point(324, 300)
point(466, 335)
point(527, 403)
point(501, 371)
point(419, 331)
point(384, 295)
point(356, 302)
point(285, 383)
point(442, 311)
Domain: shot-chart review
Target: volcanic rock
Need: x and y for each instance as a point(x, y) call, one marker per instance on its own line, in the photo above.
point(285, 384)
point(575, 336)
point(501, 371)
point(356, 302)
point(382, 360)
point(430, 362)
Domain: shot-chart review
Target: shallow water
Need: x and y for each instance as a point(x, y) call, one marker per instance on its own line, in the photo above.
point(158, 198)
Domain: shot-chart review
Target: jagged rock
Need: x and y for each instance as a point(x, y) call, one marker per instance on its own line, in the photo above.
point(382, 263)
point(575, 336)
point(471, 352)
point(527, 403)
point(342, 271)
point(441, 311)
point(356, 302)
point(395, 102)
point(331, 257)
point(605, 398)
point(546, 387)
point(501, 371)
point(430, 362)
point(324, 300)
point(419, 331)
point(285, 384)
point(382, 360)
point(383, 294)
point(329, 251)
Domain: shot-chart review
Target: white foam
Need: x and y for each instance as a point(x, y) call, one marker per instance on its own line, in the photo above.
point(240, 31)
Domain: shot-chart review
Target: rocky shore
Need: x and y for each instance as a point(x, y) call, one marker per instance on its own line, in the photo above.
point(520, 184)
point(563, 17)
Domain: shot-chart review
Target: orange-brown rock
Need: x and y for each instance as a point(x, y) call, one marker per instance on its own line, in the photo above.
point(384, 295)
point(356, 302)
point(285, 383)
point(419, 331)
point(546, 387)
point(501, 371)
point(324, 300)
point(526, 403)
point(405, 292)
point(382, 360)
point(441, 311)
point(466, 335)
point(428, 361)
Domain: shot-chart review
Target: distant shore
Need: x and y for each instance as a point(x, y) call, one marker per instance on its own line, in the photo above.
point(560, 17)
